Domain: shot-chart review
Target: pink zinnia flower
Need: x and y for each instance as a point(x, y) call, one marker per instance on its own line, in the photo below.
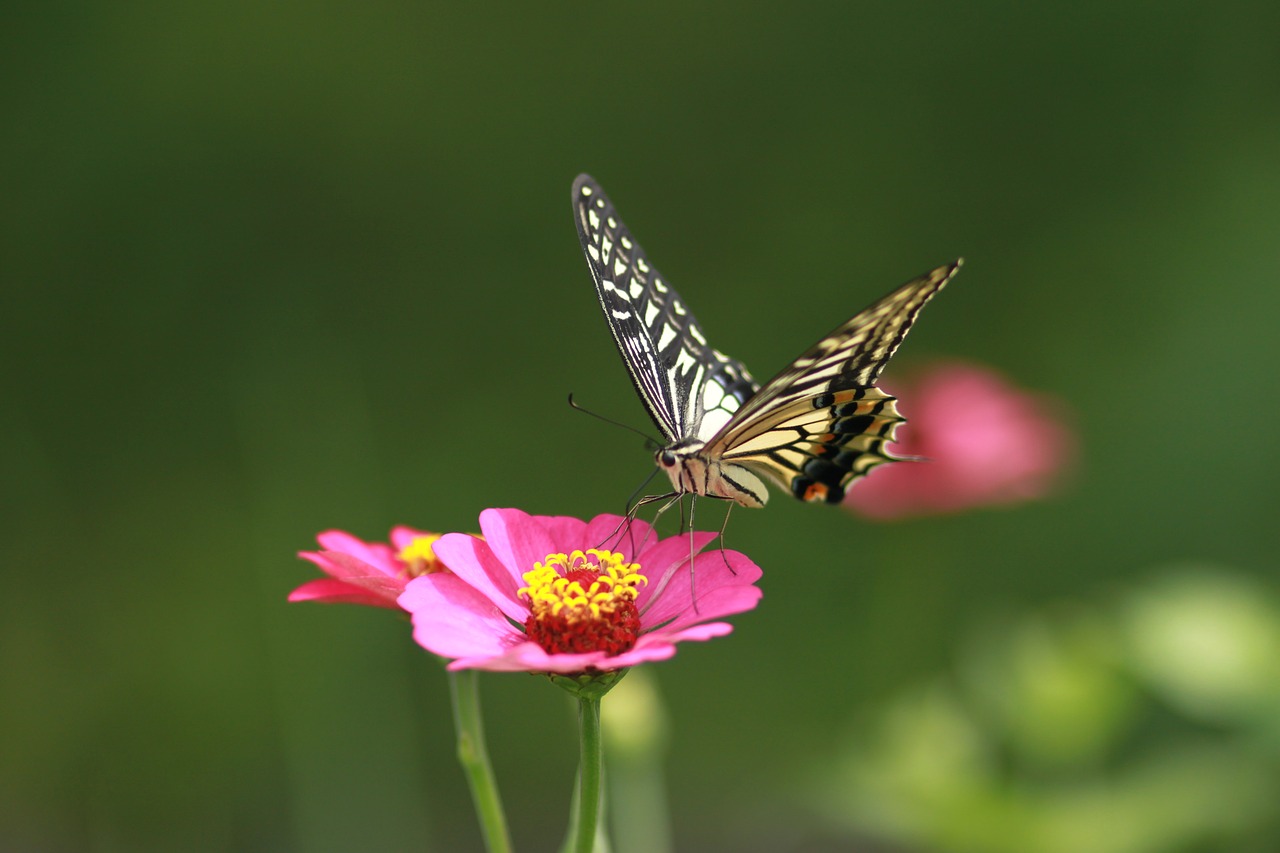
point(562, 595)
point(372, 573)
point(984, 441)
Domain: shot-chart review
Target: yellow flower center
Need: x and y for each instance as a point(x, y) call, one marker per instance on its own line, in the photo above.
point(583, 602)
point(419, 558)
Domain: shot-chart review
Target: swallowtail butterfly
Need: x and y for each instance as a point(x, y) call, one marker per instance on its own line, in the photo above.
point(814, 428)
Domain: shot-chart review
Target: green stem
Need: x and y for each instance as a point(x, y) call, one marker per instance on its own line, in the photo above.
point(589, 800)
point(473, 755)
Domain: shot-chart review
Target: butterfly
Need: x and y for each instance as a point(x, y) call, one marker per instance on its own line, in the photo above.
point(818, 425)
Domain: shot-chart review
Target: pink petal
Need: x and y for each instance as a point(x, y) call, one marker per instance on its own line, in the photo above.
point(721, 589)
point(402, 537)
point(530, 657)
point(566, 532)
point(988, 442)
point(347, 567)
point(666, 562)
point(614, 533)
point(388, 588)
point(322, 562)
point(359, 579)
point(661, 645)
point(706, 631)
point(714, 604)
point(374, 553)
point(516, 539)
point(454, 620)
point(328, 591)
point(642, 654)
point(471, 559)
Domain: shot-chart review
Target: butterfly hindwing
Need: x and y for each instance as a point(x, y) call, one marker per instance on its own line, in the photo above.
point(814, 448)
point(689, 389)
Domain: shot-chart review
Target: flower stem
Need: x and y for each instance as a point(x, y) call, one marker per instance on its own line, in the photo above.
point(473, 755)
point(589, 800)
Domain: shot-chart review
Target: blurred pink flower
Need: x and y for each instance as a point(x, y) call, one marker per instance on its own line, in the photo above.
point(562, 595)
point(984, 441)
point(372, 573)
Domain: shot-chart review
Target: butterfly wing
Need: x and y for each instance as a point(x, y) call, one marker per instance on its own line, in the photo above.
point(821, 423)
point(689, 389)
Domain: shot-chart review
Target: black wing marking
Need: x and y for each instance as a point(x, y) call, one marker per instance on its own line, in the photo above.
point(689, 389)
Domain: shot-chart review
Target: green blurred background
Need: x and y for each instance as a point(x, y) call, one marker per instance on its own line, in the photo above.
point(274, 268)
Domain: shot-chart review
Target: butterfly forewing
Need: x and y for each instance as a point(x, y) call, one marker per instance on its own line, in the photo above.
point(821, 423)
point(852, 355)
point(690, 390)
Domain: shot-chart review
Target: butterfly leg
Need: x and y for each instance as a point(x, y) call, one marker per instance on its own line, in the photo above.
point(693, 588)
point(634, 502)
point(723, 527)
point(671, 499)
point(633, 512)
point(693, 591)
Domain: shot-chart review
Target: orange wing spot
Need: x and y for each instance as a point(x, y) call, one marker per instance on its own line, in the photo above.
point(846, 396)
point(826, 438)
point(816, 492)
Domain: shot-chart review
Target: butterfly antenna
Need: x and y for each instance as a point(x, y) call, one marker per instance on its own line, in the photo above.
point(649, 440)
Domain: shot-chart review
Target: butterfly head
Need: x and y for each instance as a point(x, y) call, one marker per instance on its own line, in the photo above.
point(676, 458)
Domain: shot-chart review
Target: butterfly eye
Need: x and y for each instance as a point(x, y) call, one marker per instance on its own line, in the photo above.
point(666, 459)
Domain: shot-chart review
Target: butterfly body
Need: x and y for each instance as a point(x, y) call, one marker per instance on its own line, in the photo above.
point(814, 428)
point(693, 471)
